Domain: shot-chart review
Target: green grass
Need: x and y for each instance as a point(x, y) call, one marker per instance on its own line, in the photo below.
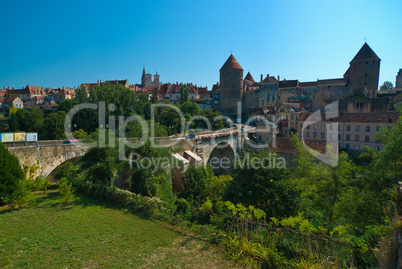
point(91, 234)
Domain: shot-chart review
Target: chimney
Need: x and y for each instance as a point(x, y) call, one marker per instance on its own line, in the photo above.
point(13, 88)
point(98, 82)
point(261, 78)
point(278, 78)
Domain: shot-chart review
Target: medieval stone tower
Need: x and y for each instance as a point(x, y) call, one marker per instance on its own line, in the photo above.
point(231, 86)
point(363, 73)
point(398, 81)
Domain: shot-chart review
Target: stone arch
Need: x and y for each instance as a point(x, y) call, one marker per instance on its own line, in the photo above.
point(48, 166)
point(222, 158)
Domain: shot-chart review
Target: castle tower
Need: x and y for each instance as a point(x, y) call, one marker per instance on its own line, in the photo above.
point(363, 72)
point(398, 81)
point(231, 86)
point(156, 80)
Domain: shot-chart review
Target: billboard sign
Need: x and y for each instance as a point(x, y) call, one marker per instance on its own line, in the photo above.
point(7, 137)
point(19, 137)
point(32, 137)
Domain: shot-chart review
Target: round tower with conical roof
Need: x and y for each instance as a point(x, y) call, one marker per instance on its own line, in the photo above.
point(231, 86)
point(364, 72)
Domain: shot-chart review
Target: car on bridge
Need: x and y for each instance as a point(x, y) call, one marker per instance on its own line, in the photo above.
point(73, 142)
point(190, 136)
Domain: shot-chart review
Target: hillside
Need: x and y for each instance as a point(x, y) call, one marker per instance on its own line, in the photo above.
point(92, 234)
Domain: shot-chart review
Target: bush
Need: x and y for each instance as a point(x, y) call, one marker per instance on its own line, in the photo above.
point(11, 175)
point(66, 189)
point(195, 182)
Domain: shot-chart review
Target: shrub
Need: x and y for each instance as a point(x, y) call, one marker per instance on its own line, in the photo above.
point(11, 175)
point(66, 189)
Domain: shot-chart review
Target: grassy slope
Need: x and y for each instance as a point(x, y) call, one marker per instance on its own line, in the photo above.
point(88, 234)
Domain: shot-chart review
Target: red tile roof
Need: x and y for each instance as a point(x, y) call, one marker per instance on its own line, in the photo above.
point(231, 63)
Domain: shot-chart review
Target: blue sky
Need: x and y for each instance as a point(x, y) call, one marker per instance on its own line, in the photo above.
point(66, 43)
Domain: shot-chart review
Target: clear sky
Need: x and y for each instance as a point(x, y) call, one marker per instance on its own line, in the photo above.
point(65, 43)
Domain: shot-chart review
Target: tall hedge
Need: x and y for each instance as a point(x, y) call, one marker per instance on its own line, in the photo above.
point(11, 174)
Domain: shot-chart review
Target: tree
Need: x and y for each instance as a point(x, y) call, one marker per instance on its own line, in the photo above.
point(11, 174)
point(54, 126)
point(265, 186)
point(184, 94)
point(387, 85)
point(190, 109)
point(195, 182)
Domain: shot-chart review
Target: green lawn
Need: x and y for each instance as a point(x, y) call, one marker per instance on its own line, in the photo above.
point(91, 234)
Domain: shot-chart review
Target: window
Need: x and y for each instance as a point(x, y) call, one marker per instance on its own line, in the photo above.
point(357, 128)
point(367, 129)
point(339, 127)
point(322, 135)
point(356, 147)
point(315, 126)
point(279, 97)
point(315, 134)
point(268, 98)
point(377, 147)
point(301, 126)
point(348, 128)
point(273, 97)
point(331, 127)
point(322, 126)
point(347, 137)
point(330, 136)
point(367, 138)
point(378, 128)
point(347, 146)
point(273, 91)
point(307, 134)
point(308, 127)
point(339, 137)
point(357, 138)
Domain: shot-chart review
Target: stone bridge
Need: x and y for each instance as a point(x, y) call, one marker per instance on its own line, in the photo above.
point(46, 155)
point(209, 147)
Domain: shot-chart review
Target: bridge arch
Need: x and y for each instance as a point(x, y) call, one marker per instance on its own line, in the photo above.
point(222, 158)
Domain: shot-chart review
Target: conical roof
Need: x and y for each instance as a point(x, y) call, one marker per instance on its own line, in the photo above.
point(231, 63)
point(365, 53)
point(249, 77)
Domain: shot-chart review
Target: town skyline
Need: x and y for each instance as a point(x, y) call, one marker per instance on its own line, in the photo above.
point(308, 43)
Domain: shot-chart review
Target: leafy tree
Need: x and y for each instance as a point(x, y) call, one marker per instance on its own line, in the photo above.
point(266, 186)
point(184, 94)
point(190, 109)
point(101, 165)
point(54, 126)
point(387, 85)
point(150, 176)
point(171, 119)
point(66, 105)
point(11, 174)
point(213, 118)
point(195, 182)
point(80, 134)
point(27, 120)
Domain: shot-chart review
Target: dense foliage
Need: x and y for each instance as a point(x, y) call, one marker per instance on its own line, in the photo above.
point(11, 175)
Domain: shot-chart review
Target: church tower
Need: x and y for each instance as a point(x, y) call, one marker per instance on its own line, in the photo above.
point(363, 72)
point(231, 86)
